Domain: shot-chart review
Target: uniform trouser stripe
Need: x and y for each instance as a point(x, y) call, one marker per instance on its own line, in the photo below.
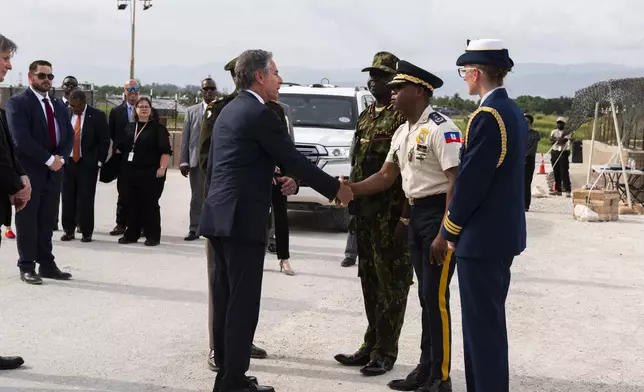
point(445, 322)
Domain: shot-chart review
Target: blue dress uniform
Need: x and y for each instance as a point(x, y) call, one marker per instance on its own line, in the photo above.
point(486, 220)
point(424, 151)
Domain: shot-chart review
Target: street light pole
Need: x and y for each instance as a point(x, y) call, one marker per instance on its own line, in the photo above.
point(132, 44)
point(121, 5)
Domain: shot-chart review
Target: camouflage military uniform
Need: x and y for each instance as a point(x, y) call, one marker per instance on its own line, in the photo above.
point(209, 117)
point(384, 266)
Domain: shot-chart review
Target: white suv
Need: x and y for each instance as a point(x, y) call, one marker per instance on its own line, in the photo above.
point(324, 122)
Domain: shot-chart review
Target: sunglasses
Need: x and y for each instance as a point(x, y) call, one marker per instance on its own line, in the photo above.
point(130, 89)
point(209, 89)
point(43, 76)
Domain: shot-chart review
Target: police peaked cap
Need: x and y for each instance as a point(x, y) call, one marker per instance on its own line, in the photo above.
point(407, 72)
point(486, 52)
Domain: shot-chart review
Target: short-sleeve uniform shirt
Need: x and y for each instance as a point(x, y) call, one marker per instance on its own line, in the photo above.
point(423, 151)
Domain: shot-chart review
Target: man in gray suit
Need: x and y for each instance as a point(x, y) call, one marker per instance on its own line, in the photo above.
point(189, 159)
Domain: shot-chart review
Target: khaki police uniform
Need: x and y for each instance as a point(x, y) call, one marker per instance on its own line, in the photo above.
point(424, 151)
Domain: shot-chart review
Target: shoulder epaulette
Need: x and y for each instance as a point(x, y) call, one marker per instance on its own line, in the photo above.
point(499, 120)
point(437, 118)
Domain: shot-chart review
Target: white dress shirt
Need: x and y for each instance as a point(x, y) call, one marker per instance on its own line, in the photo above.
point(256, 96)
point(486, 96)
point(42, 105)
point(82, 120)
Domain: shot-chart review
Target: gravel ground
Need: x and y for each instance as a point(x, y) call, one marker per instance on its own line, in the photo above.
point(134, 318)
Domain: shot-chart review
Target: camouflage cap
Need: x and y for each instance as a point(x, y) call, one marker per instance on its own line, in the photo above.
point(230, 66)
point(383, 61)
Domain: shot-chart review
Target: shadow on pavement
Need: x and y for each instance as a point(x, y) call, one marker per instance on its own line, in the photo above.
point(81, 383)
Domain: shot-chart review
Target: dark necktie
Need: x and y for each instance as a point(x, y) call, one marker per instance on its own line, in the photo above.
point(50, 123)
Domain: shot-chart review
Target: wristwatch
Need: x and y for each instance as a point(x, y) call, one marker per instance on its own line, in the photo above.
point(404, 221)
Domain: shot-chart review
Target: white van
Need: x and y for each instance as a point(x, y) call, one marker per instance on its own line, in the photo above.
point(324, 122)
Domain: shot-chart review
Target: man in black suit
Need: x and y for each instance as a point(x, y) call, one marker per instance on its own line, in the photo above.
point(120, 116)
point(248, 141)
point(70, 83)
point(43, 137)
point(14, 184)
point(89, 152)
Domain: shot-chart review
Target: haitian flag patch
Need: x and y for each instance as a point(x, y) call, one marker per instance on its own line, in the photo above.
point(453, 137)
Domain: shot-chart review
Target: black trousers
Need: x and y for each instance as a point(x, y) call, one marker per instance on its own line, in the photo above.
point(483, 285)
point(236, 296)
point(142, 191)
point(561, 170)
point(35, 224)
point(121, 203)
point(529, 174)
point(79, 193)
point(280, 217)
point(433, 287)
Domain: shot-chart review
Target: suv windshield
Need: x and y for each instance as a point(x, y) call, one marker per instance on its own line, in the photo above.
point(322, 111)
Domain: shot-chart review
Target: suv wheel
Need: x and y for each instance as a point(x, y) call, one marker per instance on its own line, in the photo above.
point(340, 219)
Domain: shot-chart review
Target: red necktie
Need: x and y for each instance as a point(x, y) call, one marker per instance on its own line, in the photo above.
point(50, 123)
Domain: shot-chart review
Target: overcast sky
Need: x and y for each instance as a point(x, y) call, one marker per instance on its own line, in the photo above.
point(77, 34)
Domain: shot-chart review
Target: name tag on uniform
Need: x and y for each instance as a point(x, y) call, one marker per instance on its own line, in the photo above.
point(130, 156)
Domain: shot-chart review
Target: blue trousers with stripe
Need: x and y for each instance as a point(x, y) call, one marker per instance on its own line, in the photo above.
point(433, 287)
point(483, 285)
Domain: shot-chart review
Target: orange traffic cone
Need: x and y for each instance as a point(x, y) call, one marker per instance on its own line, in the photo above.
point(542, 166)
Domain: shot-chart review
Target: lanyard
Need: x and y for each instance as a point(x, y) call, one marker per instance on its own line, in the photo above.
point(137, 132)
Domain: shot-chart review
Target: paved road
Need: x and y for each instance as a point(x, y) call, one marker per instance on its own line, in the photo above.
point(134, 318)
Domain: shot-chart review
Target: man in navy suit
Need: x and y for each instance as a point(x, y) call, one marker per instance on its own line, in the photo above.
point(248, 141)
point(485, 223)
point(14, 184)
point(43, 137)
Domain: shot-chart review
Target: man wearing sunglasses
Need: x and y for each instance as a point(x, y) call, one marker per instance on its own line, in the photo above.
point(189, 159)
point(43, 136)
point(120, 116)
point(70, 83)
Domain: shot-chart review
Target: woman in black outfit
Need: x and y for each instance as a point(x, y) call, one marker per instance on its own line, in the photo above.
point(281, 232)
point(146, 151)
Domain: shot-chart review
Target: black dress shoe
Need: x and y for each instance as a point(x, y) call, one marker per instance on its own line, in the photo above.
point(254, 388)
point(118, 230)
point(211, 362)
point(86, 238)
point(149, 242)
point(348, 262)
point(8, 363)
point(251, 379)
point(124, 240)
point(412, 382)
point(191, 236)
point(30, 277)
point(377, 367)
point(359, 358)
point(257, 353)
point(68, 236)
point(54, 273)
point(436, 386)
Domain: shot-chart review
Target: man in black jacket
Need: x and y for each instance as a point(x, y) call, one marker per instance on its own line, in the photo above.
point(91, 142)
point(14, 184)
point(247, 143)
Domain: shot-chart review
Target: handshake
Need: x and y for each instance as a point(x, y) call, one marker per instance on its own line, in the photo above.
point(345, 194)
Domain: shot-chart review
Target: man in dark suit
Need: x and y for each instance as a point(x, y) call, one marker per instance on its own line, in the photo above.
point(43, 136)
point(70, 83)
point(248, 141)
point(14, 184)
point(120, 116)
point(89, 152)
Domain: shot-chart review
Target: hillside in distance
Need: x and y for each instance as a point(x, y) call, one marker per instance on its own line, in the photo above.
point(538, 79)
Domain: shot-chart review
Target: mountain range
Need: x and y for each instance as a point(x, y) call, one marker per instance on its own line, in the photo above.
point(538, 79)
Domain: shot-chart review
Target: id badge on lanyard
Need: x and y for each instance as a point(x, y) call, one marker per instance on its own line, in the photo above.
point(130, 156)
